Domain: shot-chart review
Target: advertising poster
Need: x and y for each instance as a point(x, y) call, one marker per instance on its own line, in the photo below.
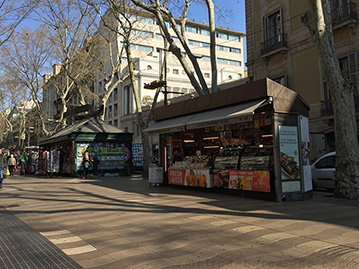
point(190, 177)
point(307, 171)
point(111, 155)
point(137, 153)
point(221, 179)
point(249, 180)
point(289, 158)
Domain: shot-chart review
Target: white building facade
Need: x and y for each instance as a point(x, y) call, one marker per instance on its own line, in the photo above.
point(147, 52)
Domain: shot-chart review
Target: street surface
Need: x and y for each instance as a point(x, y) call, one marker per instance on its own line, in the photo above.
point(125, 223)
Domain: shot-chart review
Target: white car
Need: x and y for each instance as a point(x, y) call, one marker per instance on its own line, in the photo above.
point(323, 171)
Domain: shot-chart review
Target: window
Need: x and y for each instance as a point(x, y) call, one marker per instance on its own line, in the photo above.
point(191, 29)
point(272, 31)
point(176, 39)
point(149, 67)
point(222, 35)
point(204, 32)
point(194, 43)
point(144, 48)
point(109, 111)
point(348, 66)
point(234, 50)
point(115, 110)
point(281, 80)
point(206, 75)
point(100, 86)
point(127, 100)
point(234, 38)
point(205, 45)
point(110, 98)
point(342, 11)
point(237, 63)
point(115, 123)
point(159, 36)
point(175, 71)
point(115, 94)
point(206, 58)
point(222, 48)
point(144, 33)
point(239, 75)
point(145, 20)
point(325, 163)
point(222, 61)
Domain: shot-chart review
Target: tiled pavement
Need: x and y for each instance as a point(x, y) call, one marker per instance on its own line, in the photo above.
point(122, 223)
point(23, 247)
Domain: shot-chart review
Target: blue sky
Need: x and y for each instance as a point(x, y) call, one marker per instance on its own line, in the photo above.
point(234, 19)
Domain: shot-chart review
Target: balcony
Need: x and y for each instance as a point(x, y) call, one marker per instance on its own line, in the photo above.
point(327, 108)
point(274, 44)
point(344, 14)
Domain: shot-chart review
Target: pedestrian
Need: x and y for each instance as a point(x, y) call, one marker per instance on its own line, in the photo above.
point(3, 168)
point(11, 164)
point(23, 162)
point(86, 164)
point(95, 163)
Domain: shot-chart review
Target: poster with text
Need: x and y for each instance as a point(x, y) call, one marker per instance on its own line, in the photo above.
point(289, 158)
point(190, 177)
point(249, 180)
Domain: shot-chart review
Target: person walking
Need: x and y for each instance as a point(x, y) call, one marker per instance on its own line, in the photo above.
point(23, 162)
point(11, 163)
point(3, 168)
point(95, 163)
point(86, 164)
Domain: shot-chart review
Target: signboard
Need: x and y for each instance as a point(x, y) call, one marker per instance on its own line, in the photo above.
point(190, 177)
point(289, 158)
point(249, 180)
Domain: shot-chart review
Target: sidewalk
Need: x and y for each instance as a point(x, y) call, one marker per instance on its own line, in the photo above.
point(124, 223)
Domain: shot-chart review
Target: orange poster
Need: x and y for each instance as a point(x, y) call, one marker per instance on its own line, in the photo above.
point(249, 180)
point(190, 177)
point(176, 176)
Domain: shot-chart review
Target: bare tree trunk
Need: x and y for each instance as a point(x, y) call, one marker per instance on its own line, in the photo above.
point(318, 21)
point(140, 122)
point(213, 49)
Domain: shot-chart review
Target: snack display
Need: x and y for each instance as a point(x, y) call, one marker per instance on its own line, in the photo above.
point(193, 162)
point(289, 166)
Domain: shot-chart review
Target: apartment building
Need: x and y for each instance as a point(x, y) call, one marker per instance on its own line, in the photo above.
point(147, 50)
point(280, 47)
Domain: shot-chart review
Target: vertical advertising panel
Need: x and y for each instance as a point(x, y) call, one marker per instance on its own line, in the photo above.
point(289, 158)
point(305, 147)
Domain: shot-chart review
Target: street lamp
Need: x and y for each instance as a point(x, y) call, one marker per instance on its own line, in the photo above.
point(157, 84)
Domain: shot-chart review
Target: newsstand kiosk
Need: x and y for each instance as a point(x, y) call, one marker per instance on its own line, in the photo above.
point(251, 140)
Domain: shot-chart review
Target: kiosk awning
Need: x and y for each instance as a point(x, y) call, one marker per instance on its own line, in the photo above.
point(227, 115)
point(171, 125)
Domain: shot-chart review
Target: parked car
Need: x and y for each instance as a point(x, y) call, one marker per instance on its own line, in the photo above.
point(323, 171)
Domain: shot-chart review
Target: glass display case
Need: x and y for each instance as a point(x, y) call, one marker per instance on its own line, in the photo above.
point(227, 158)
point(255, 158)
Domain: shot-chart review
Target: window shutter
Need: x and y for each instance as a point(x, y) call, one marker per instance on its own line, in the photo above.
point(281, 21)
point(264, 21)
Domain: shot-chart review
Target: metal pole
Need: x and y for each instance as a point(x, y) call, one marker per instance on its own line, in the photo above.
point(165, 67)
